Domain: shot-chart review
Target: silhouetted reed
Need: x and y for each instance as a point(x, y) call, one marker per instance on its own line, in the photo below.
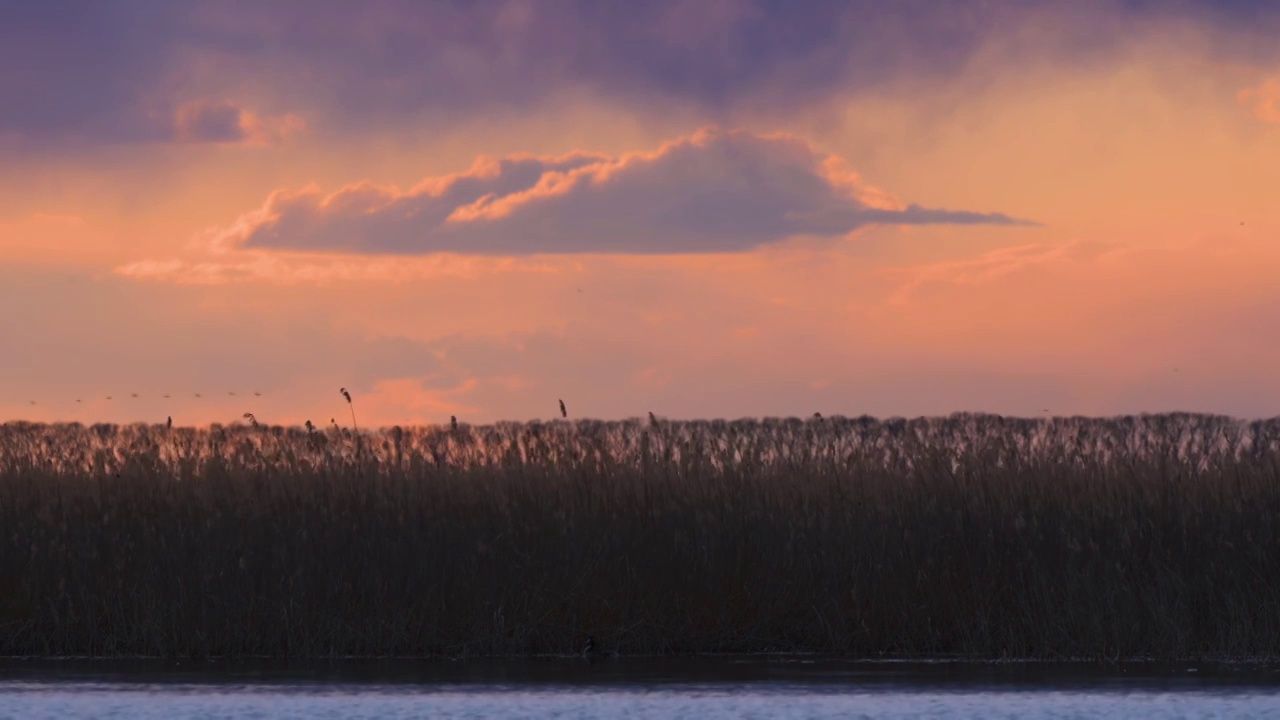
point(974, 535)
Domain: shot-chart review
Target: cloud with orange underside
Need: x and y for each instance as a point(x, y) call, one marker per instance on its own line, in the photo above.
point(716, 191)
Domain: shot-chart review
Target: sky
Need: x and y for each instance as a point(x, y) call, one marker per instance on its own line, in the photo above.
point(701, 208)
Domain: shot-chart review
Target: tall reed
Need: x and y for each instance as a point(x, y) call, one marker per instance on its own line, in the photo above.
point(975, 535)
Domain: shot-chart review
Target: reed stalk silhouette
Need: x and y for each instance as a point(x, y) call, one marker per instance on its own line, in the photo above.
point(351, 405)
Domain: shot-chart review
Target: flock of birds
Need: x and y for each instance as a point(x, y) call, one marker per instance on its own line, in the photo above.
point(346, 395)
point(135, 396)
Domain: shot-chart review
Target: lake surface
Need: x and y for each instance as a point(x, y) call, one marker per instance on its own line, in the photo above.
point(702, 688)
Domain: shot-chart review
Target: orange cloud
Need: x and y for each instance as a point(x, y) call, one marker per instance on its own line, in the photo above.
point(1263, 101)
point(415, 402)
point(55, 240)
point(995, 264)
point(324, 270)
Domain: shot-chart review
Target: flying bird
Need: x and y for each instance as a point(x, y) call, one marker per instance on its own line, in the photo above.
point(133, 395)
point(563, 412)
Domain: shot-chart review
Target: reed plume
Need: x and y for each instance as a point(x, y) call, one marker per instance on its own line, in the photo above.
point(351, 405)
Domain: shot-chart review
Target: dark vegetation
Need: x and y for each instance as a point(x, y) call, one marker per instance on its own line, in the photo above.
point(973, 535)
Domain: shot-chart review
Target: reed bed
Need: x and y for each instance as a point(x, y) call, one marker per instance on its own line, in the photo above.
point(971, 535)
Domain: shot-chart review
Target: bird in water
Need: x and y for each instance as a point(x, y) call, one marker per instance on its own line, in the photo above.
point(563, 412)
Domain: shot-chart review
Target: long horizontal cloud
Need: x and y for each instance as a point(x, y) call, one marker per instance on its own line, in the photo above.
point(715, 191)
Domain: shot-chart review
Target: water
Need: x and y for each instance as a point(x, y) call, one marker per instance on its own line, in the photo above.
point(704, 689)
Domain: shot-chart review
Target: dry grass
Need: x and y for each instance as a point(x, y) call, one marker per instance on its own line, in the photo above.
point(973, 535)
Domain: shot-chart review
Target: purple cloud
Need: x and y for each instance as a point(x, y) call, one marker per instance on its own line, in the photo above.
point(225, 122)
point(88, 72)
point(716, 191)
point(210, 122)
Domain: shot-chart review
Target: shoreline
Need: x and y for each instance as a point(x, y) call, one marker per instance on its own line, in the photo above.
point(923, 660)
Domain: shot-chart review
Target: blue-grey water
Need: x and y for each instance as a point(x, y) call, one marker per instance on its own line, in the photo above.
point(703, 689)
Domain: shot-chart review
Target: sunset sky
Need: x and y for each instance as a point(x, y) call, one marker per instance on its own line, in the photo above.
point(701, 209)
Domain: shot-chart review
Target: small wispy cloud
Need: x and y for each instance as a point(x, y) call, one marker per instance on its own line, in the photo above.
point(993, 265)
point(715, 191)
point(1263, 101)
point(222, 122)
point(269, 268)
